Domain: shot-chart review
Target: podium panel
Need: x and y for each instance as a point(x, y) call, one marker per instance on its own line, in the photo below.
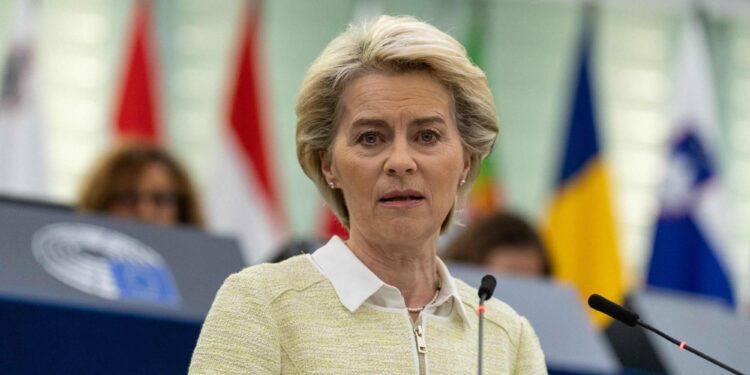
point(703, 323)
point(571, 345)
point(92, 294)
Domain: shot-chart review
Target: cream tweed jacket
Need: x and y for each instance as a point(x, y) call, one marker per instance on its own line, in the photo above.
point(286, 318)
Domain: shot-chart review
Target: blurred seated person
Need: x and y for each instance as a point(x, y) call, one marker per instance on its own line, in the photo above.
point(501, 242)
point(141, 181)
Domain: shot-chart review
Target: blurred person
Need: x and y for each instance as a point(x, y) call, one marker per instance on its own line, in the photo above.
point(393, 121)
point(502, 242)
point(141, 181)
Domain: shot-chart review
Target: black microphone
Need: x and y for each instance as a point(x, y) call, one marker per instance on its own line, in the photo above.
point(614, 310)
point(630, 318)
point(486, 288)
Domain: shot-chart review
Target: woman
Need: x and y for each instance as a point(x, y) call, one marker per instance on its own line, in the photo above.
point(501, 242)
point(393, 120)
point(141, 181)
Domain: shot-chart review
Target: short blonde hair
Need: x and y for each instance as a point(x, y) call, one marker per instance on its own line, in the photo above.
point(391, 45)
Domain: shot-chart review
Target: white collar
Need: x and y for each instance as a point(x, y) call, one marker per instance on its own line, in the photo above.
point(355, 284)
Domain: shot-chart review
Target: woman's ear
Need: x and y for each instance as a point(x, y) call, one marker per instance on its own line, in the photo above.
point(467, 167)
point(325, 167)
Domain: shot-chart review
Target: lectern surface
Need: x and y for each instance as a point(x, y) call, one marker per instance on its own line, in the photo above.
point(705, 324)
point(569, 341)
point(109, 264)
point(87, 294)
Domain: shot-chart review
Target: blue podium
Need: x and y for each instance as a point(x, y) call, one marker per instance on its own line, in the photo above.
point(88, 294)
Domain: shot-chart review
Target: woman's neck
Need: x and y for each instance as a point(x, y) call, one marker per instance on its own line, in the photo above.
point(410, 268)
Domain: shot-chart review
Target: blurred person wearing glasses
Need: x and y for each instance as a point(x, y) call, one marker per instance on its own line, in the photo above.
point(141, 181)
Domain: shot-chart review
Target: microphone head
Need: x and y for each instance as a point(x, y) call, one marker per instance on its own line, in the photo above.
point(487, 287)
point(614, 310)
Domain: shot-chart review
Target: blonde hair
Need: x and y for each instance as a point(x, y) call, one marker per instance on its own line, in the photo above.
point(391, 45)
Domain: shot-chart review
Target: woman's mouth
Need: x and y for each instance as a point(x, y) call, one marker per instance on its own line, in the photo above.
point(402, 199)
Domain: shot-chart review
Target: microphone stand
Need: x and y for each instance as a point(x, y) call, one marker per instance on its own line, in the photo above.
point(480, 312)
point(485, 291)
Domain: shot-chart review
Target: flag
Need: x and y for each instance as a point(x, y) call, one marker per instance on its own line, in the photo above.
point(241, 194)
point(580, 229)
point(331, 226)
point(486, 195)
point(136, 113)
point(23, 164)
point(690, 244)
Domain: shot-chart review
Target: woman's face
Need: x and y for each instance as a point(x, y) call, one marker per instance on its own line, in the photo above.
point(397, 155)
point(153, 198)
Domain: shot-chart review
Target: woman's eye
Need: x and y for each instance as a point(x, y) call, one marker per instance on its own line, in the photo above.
point(428, 136)
point(368, 138)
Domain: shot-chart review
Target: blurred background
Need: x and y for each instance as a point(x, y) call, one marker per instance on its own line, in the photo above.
point(80, 51)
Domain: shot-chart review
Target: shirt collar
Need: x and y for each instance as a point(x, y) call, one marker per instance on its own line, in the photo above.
point(450, 291)
point(355, 283)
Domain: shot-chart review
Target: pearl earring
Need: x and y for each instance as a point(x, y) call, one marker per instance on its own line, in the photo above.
point(463, 181)
point(331, 184)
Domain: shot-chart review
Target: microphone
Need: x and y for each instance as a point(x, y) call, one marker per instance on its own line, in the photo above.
point(614, 310)
point(486, 288)
point(630, 318)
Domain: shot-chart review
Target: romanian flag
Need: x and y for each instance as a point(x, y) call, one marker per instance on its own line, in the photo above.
point(485, 196)
point(580, 231)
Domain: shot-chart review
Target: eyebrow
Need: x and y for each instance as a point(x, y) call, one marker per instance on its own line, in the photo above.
point(428, 120)
point(382, 123)
point(362, 122)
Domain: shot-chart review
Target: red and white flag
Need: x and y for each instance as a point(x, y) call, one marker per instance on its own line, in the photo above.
point(137, 108)
point(23, 162)
point(241, 195)
point(331, 226)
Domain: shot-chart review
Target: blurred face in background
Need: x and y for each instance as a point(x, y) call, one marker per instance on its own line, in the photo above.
point(153, 197)
point(519, 259)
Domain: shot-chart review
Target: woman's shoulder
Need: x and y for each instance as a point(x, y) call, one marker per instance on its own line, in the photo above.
point(273, 279)
point(497, 311)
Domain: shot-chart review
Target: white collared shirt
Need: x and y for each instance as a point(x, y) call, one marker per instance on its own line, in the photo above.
point(356, 284)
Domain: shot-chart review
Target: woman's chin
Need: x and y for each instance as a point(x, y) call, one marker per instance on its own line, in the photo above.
point(408, 229)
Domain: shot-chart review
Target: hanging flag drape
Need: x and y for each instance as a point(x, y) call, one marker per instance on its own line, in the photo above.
point(23, 163)
point(137, 109)
point(486, 194)
point(580, 230)
point(690, 242)
point(241, 194)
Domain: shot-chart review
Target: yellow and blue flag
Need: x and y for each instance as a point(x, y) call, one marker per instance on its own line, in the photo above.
point(581, 229)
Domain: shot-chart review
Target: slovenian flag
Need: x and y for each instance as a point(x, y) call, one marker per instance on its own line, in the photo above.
point(581, 229)
point(690, 246)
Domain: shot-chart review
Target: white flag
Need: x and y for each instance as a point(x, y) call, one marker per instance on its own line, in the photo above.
point(22, 151)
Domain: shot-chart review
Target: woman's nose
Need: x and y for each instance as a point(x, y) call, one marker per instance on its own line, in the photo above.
point(400, 160)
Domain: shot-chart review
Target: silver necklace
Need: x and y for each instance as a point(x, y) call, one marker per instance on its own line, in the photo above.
point(434, 298)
